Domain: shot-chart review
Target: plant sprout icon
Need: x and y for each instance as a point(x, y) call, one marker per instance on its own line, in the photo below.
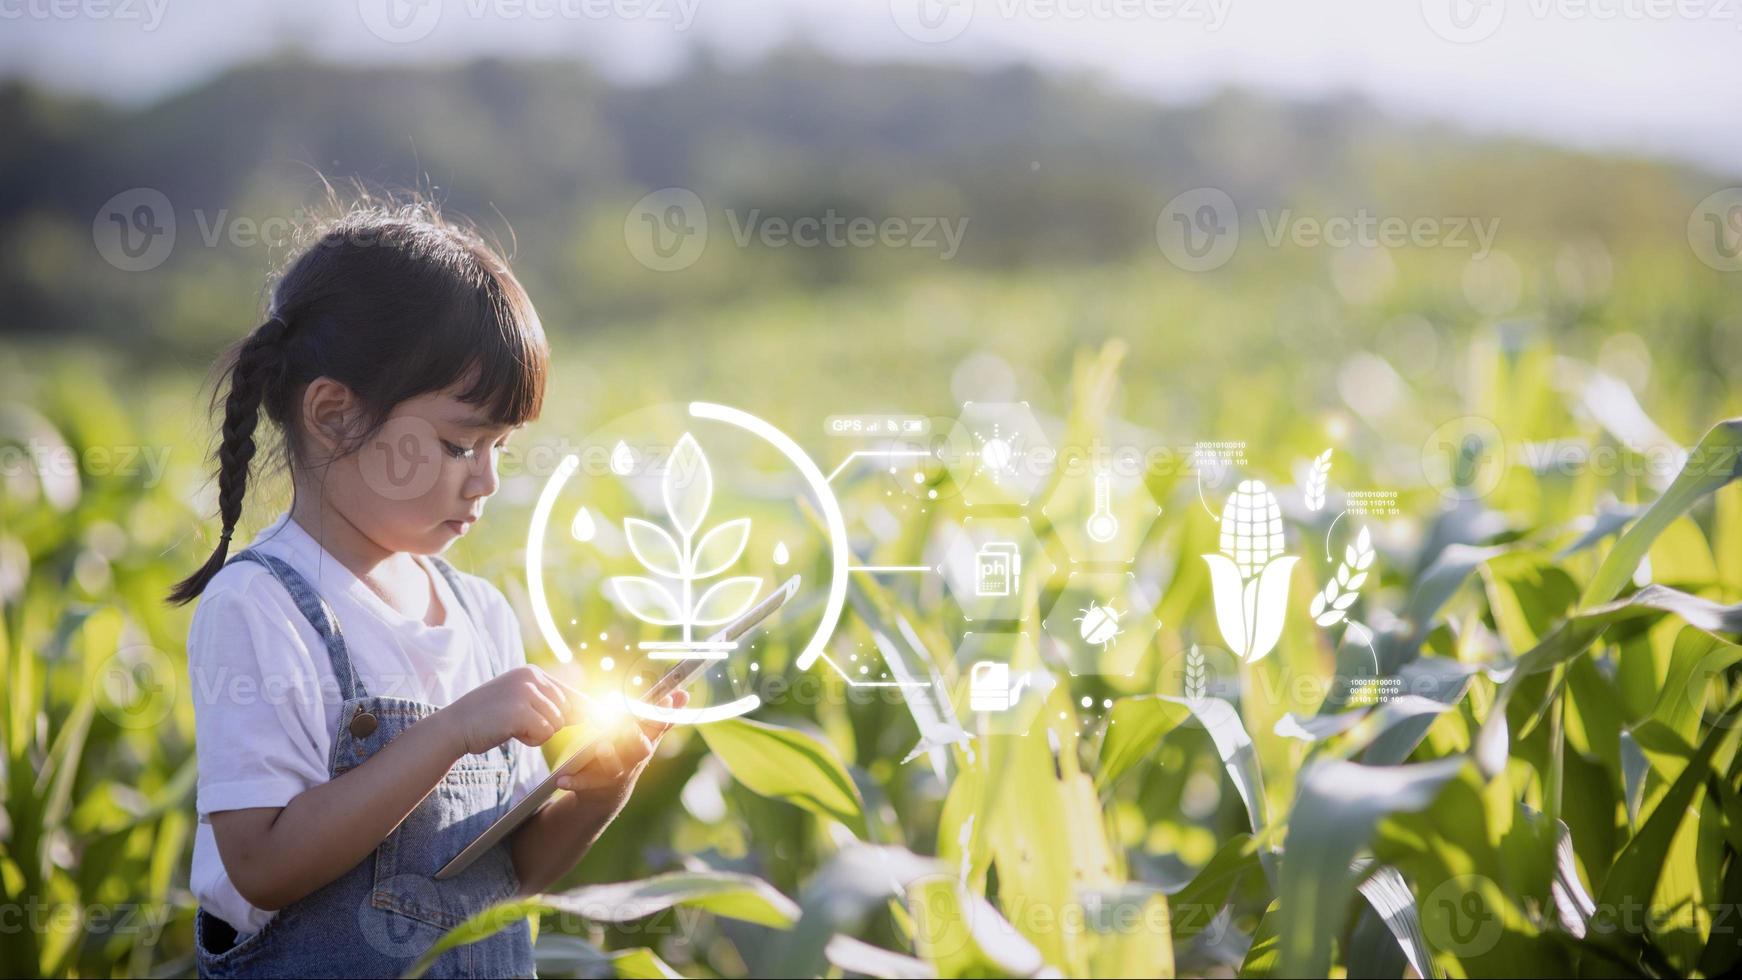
point(685, 561)
point(1250, 577)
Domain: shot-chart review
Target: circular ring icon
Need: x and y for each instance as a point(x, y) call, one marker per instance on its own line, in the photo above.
point(1199, 229)
point(1464, 459)
point(134, 231)
point(827, 505)
point(1715, 230)
point(667, 230)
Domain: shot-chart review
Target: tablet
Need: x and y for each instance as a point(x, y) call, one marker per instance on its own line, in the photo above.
point(681, 673)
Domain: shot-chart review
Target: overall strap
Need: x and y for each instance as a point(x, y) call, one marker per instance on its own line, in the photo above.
point(320, 616)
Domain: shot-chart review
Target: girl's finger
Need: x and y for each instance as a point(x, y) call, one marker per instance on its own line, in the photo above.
point(577, 707)
point(655, 729)
point(546, 708)
point(609, 760)
point(535, 728)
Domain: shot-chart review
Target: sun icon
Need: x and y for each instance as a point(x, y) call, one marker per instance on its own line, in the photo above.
point(997, 454)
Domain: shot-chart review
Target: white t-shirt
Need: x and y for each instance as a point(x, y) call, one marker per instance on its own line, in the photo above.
point(266, 702)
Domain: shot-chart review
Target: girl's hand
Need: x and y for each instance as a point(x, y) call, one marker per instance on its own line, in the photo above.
point(613, 767)
point(525, 703)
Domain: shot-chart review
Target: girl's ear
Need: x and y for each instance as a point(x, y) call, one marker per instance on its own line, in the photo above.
point(330, 412)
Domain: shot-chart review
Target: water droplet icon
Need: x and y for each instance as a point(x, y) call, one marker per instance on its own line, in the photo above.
point(781, 555)
point(583, 527)
point(622, 459)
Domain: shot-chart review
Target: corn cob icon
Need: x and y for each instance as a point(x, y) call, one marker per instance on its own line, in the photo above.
point(1249, 579)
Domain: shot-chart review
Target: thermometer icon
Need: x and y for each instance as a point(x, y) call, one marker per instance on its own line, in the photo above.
point(1102, 525)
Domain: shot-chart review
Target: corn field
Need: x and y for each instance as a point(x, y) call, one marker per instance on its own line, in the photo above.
point(1549, 785)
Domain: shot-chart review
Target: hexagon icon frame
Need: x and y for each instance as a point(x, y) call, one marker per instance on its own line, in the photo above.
point(1024, 683)
point(992, 566)
point(998, 453)
point(1081, 634)
point(1075, 506)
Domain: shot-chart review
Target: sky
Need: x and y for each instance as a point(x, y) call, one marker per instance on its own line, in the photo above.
point(1654, 77)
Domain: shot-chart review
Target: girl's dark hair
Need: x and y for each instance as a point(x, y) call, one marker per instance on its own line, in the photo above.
point(393, 301)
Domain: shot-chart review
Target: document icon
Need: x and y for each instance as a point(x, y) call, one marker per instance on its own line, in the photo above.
point(997, 569)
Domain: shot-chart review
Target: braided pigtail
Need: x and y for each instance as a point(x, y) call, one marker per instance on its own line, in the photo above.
point(258, 368)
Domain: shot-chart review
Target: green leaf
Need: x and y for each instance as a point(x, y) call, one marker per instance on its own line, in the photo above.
point(479, 927)
point(1138, 725)
point(1712, 464)
point(836, 900)
point(1643, 862)
point(789, 765)
point(1198, 902)
point(729, 894)
point(962, 935)
point(1338, 806)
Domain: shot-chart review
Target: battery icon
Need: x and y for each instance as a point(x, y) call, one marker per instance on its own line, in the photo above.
point(913, 425)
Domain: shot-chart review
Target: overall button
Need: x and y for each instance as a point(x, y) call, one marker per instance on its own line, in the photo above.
point(363, 724)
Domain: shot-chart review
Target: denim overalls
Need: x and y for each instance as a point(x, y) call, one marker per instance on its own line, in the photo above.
point(379, 917)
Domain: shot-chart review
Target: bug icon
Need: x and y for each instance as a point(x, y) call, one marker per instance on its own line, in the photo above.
point(1099, 624)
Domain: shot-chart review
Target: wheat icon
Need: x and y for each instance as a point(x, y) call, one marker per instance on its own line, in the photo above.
point(1331, 606)
point(684, 560)
point(1315, 487)
point(1197, 684)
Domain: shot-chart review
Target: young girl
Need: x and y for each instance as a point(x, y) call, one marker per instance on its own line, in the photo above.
point(363, 710)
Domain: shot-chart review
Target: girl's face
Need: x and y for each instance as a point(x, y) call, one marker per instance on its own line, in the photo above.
point(420, 482)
